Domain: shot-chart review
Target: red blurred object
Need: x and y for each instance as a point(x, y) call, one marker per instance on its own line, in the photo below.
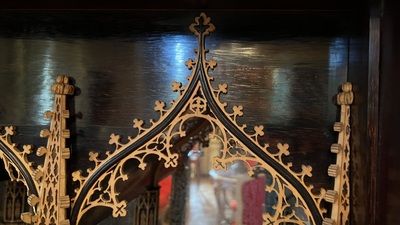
point(165, 192)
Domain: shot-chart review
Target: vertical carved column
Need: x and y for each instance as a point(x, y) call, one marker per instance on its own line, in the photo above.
point(179, 194)
point(14, 202)
point(340, 195)
point(146, 209)
point(52, 202)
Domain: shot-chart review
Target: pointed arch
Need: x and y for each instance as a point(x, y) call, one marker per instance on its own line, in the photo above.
point(199, 99)
point(15, 161)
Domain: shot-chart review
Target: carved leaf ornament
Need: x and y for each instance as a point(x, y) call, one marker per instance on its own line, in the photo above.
point(295, 201)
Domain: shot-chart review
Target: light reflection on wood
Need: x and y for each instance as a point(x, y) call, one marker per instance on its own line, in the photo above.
point(254, 69)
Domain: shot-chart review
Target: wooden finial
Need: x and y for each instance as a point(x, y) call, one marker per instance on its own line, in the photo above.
point(346, 97)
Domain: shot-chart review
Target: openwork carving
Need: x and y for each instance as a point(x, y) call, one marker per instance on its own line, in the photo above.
point(180, 192)
point(47, 183)
point(16, 161)
point(158, 145)
point(146, 208)
point(14, 202)
point(51, 203)
point(340, 195)
point(296, 202)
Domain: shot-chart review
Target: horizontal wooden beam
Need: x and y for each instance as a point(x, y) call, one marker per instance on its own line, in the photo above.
point(185, 4)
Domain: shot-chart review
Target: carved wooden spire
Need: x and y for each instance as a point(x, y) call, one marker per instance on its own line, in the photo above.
point(340, 195)
point(51, 202)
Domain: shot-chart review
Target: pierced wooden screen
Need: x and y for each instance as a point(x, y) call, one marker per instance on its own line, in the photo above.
point(201, 100)
point(296, 202)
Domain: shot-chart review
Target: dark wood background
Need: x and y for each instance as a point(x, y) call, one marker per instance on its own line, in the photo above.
point(284, 75)
point(284, 68)
point(252, 5)
point(283, 61)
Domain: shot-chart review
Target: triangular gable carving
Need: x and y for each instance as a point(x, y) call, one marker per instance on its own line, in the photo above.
point(198, 99)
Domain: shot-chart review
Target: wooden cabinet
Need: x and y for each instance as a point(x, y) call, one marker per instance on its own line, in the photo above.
point(288, 57)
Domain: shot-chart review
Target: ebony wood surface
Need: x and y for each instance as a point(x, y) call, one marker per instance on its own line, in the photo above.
point(374, 75)
point(375, 171)
point(186, 4)
point(283, 67)
point(359, 72)
point(290, 68)
point(388, 174)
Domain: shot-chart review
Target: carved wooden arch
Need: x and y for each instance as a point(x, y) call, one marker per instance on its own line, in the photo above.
point(200, 99)
point(16, 162)
point(46, 183)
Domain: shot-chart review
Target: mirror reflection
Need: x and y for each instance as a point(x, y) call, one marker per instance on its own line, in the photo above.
point(14, 201)
point(220, 197)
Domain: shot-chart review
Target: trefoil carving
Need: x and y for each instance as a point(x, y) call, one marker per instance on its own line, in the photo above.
point(200, 99)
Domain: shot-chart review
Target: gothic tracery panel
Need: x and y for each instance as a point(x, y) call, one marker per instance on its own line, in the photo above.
point(296, 202)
